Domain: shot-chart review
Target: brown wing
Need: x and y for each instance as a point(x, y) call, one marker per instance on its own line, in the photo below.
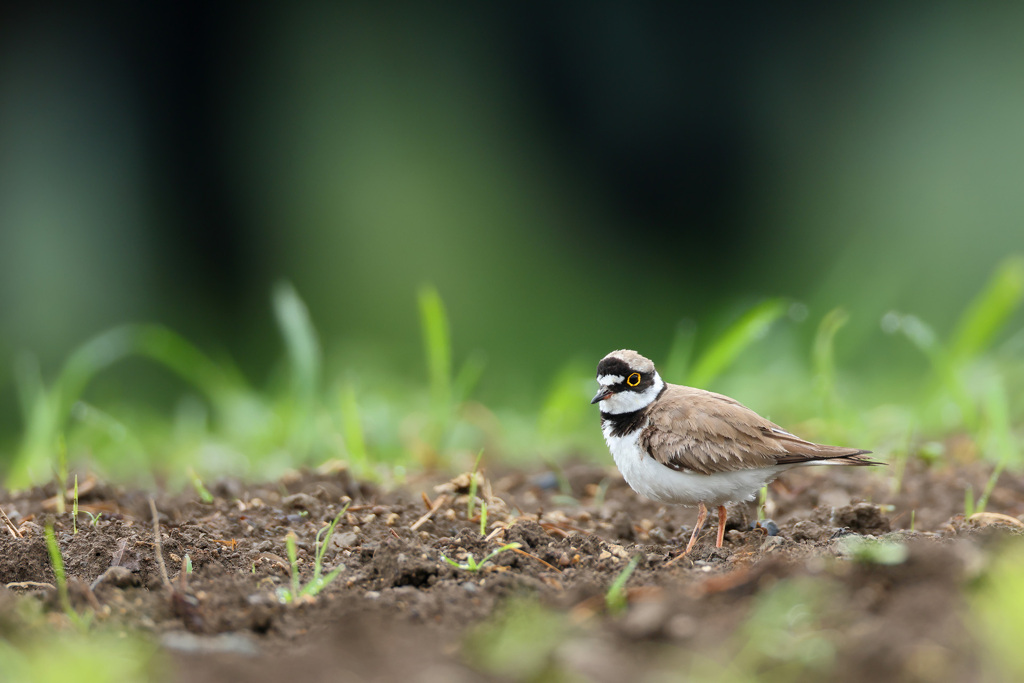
point(693, 429)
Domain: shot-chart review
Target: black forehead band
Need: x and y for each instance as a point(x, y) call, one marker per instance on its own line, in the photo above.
point(614, 366)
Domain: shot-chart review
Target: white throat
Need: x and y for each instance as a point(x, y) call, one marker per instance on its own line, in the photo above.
point(631, 401)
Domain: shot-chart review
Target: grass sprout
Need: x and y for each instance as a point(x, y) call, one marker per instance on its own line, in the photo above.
point(61, 579)
point(197, 484)
point(319, 580)
point(471, 565)
point(474, 481)
point(615, 599)
point(62, 471)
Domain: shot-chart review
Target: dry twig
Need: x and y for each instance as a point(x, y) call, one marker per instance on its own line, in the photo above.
point(546, 564)
point(159, 547)
point(441, 500)
point(10, 525)
point(30, 584)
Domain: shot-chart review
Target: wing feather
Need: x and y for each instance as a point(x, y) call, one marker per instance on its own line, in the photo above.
point(704, 432)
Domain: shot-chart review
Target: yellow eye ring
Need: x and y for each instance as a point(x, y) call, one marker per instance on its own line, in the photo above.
point(633, 379)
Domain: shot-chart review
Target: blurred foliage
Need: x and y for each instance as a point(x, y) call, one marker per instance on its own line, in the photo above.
point(519, 643)
point(382, 424)
point(997, 609)
point(40, 648)
point(570, 188)
point(771, 221)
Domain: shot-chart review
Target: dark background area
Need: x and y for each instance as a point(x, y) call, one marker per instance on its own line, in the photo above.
point(572, 177)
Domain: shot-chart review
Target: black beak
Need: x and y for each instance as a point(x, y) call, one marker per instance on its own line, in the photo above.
point(602, 394)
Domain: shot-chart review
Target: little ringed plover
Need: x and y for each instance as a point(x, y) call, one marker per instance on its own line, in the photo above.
point(676, 444)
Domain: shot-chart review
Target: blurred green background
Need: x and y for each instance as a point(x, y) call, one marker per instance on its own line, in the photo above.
point(571, 178)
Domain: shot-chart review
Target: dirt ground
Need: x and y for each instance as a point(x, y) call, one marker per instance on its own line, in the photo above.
point(799, 605)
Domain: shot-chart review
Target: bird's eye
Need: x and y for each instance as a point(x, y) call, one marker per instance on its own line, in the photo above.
point(633, 379)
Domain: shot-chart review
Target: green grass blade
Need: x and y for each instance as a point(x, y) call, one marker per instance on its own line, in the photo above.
point(452, 562)
point(989, 312)
point(319, 583)
point(751, 326)
point(300, 340)
point(969, 501)
point(615, 598)
point(499, 551)
point(60, 578)
point(352, 432)
point(474, 482)
point(437, 345)
point(200, 488)
point(48, 411)
point(293, 562)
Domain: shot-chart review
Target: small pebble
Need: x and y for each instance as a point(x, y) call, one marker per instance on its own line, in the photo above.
point(806, 530)
point(344, 540)
point(547, 481)
point(301, 501)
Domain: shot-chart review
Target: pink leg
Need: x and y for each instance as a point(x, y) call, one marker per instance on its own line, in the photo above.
point(702, 516)
point(721, 525)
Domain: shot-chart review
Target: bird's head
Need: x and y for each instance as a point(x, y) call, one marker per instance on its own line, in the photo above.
point(628, 382)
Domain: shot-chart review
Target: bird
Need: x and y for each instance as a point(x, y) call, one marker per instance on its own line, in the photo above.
point(686, 446)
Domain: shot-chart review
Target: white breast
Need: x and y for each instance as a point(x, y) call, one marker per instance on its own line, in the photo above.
point(650, 478)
